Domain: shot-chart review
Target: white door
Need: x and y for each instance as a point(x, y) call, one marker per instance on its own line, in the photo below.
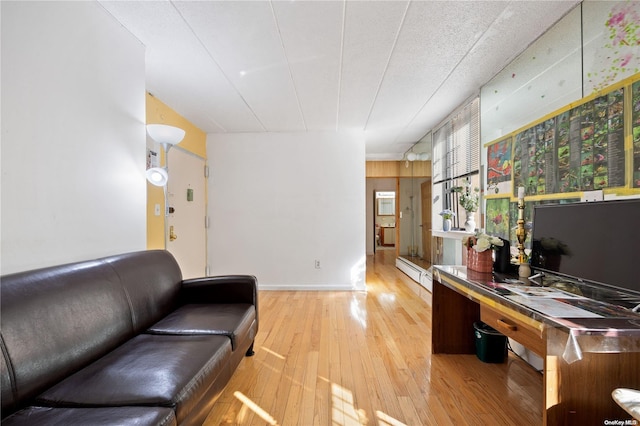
point(186, 197)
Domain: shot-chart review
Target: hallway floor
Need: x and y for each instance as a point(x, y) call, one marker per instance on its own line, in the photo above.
point(364, 358)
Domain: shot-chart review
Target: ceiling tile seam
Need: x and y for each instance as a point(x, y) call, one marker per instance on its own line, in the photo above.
point(124, 27)
point(445, 79)
point(344, 15)
point(386, 68)
point(286, 57)
point(220, 68)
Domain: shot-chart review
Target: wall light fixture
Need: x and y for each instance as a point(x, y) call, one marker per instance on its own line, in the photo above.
point(167, 136)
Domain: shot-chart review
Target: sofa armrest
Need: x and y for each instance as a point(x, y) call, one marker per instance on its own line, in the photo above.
point(221, 289)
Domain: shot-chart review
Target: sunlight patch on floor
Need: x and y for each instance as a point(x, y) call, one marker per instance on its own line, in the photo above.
point(272, 352)
point(255, 408)
point(343, 412)
point(387, 420)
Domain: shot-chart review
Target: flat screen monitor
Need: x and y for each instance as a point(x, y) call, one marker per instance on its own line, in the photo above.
point(597, 242)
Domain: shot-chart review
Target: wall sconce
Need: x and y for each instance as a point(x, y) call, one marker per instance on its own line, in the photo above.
point(166, 136)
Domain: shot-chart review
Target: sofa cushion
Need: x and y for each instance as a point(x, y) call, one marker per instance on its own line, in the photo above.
point(105, 416)
point(55, 321)
point(161, 370)
point(237, 321)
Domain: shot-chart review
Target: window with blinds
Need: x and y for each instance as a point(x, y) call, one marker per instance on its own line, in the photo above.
point(456, 155)
point(456, 144)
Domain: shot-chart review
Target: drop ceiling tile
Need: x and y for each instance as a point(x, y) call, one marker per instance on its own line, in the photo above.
point(370, 33)
point(256, 66)
point(179, 71)
point(433, 40)
point(243, 39)
point(494, 49)
point(312, 37)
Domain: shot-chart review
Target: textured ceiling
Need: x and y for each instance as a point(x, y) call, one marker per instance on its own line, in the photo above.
point(393, 69)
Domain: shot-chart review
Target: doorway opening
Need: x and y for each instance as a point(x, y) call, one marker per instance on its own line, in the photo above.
point(384, 220)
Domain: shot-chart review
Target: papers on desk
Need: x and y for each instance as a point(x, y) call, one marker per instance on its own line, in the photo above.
point(549, 301)
point(557, 303)
point(558, 308)
point(536, 291)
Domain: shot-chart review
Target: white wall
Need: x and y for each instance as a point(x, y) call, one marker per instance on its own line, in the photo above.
point(280, 201)
point(73, 136)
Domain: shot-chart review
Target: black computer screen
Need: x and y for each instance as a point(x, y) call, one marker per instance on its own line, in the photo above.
point(595, 241)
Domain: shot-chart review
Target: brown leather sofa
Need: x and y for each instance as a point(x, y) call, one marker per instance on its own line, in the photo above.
point(120, 340)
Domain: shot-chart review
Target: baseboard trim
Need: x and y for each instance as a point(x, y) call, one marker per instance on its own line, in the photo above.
point(286, 287)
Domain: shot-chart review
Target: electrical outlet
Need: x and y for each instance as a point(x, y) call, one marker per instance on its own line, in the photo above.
point(317, 264)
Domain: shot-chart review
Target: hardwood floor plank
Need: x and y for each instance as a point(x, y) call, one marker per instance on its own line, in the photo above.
point(308, 403)
point(364, 358)
point(409, 412)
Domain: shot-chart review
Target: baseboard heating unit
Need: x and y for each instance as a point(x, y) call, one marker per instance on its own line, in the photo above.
point(416, 273)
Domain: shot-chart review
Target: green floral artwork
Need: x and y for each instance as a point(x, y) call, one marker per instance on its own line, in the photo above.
point(621, 51)
point(498, 217)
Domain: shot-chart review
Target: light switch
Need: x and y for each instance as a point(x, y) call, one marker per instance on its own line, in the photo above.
point(190, 194)
point(156, 210)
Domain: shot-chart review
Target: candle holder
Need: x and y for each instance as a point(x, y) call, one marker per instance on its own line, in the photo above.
point(524, 270)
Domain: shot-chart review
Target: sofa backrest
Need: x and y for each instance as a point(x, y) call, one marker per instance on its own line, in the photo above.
point(54, 321)
point(151, 280)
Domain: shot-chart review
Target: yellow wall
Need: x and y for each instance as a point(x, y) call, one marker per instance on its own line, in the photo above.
point(195, 141)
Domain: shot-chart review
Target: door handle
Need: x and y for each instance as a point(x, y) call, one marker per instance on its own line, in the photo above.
point(172, 235)
point(508, 326)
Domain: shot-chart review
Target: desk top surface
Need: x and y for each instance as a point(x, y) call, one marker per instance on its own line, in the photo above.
point(576, 307)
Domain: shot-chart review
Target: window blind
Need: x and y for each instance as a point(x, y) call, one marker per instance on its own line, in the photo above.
point(456, 144)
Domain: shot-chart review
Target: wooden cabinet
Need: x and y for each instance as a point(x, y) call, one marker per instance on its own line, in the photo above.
point(388, 237)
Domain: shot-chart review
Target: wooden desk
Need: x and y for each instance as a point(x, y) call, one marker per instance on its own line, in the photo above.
point(579, 372)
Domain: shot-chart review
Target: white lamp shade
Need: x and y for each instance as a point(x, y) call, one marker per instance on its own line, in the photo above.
point(424, 156)
point(412, 156)
point(157, 176)
point(165, 134)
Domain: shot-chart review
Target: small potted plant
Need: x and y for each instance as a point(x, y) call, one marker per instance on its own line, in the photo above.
point(479, 249)
point(447, 215)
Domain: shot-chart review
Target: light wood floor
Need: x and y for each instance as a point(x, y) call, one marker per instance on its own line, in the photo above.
point(356, 358)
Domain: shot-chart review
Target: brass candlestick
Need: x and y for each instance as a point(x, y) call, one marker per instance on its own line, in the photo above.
point(521, 233)
point(524, 270)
